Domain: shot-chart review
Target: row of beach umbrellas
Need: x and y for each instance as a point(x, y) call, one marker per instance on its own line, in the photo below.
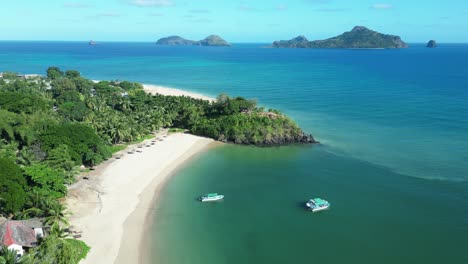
point(141, 146)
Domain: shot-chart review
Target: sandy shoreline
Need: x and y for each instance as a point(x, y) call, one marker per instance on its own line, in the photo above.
point(163, 90)
point(111, 209)
point(156, 89)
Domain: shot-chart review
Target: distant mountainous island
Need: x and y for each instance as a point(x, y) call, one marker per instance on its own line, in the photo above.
point(431, 44)
point(358, 37)
point(213, 40)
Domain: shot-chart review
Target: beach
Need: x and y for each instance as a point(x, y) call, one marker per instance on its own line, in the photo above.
point(155, 89)
point(169, 91)
point(110, 208)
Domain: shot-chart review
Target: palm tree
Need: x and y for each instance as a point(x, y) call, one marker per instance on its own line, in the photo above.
point(57, 214)
point(8, 256)
point(38, 201)
point(69, 175)
point(25, 157)
point(59, 232)
point(30, 213)
point(91, 103)
point(124, 104)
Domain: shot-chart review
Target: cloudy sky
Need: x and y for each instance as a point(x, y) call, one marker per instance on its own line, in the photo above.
point(235, 20)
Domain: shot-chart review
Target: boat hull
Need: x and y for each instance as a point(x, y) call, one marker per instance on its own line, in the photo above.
point(316, 209)
point(209, 199)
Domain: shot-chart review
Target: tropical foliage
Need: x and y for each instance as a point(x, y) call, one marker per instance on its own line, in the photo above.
point(50, 126)
point(13, 187)
point(57, 250)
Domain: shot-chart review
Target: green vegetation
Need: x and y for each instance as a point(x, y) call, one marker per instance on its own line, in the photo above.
point(77, 141)
point(56, 250)
point(212, 40)
point(117, 148)
point(13, 187)
point(7, 256)
point(359, 37)
point(51, 126)
point(235, 120)
point(176, 130)
point(28, 103)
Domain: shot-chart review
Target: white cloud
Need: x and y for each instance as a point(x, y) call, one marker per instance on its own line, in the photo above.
point(381, 6)
point(145, 3)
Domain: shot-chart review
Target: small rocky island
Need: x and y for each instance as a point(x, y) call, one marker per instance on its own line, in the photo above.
point(431, 44)
point(213, 41)
point(358, 38)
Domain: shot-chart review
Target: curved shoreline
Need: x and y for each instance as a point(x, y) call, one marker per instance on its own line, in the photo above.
point(111, 209)
point(138, 246)
point(130, 228)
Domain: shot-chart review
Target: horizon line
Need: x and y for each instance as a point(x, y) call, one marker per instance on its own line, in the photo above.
point(147, 41)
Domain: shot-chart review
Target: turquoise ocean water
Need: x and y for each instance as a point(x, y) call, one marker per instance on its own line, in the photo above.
point(393, 159)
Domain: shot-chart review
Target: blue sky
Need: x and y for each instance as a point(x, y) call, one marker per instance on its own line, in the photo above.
point(236, 21)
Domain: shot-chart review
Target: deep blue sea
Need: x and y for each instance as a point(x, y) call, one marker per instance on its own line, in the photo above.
point(393, 159)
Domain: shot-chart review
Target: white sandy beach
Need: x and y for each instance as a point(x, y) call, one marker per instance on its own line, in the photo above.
point(163, 90)
point(111, 208)
point(155, 89)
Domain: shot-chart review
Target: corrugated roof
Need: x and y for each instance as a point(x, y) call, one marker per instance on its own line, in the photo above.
point(17, 232)
point(33, 223)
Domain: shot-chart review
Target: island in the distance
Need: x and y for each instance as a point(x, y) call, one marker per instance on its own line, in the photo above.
point(358, 38)
point(431, 44)
point(212, 40)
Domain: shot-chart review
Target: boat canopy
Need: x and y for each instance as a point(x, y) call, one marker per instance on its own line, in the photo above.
point(212, 194)
point(319, 202)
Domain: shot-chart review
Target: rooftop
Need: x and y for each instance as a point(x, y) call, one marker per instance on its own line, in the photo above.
point(19, 232)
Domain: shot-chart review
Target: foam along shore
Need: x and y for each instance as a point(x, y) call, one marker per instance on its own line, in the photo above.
point(111, 207)
point(155, 89)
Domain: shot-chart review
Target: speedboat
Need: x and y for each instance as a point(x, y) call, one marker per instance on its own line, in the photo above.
point(317, 204)
point(211, 197)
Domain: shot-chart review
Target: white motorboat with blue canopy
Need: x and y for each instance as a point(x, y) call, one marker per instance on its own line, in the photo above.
point(317, 204)
point(211, 197)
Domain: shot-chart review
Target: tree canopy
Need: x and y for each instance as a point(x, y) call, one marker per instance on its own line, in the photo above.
point(13, 195)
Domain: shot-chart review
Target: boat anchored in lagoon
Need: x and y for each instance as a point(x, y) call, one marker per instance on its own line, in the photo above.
point(317, 204)
point(211, 197)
